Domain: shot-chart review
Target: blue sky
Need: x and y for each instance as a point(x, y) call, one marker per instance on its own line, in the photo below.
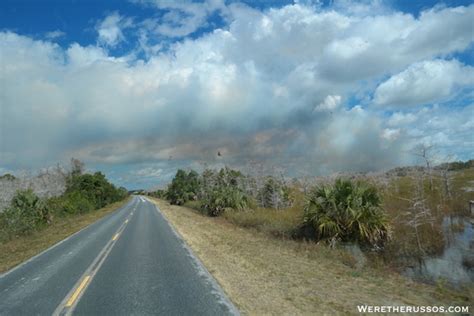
point(141, 88)
point(77, 19)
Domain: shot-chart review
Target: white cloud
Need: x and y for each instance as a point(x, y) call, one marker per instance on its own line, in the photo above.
point(400, 118)
point(182, 17)
point(148, 172)
point(424, 82)
point(390, 134)
point(449, 130)
point(330, 103)
point(249, 90)
point(110, 30)
point(54, 34)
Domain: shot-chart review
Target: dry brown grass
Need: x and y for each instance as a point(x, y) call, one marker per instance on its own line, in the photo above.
point(19, 249)
point(272, 276)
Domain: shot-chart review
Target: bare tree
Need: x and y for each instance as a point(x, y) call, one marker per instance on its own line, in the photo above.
point(77, 167)
point(418, 214)
point(426, 153)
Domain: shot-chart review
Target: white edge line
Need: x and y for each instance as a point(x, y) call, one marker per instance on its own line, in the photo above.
point(52, 247)
point(222, 296)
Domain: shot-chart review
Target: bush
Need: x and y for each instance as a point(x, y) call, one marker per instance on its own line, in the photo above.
point(221, 198)
point(77, 203)
point(183, 188)
point(94, 188)
point(161, 194)
point(274, 194)
point(25, 213)
point(8, 177)
point(347, 211)
point(220, 190)
point(84, 192)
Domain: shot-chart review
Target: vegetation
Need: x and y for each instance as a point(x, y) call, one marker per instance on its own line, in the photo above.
point(221, 198)
point(25, 213)
point(274, 194)
point(347, 211)
point(18, 249)
point(216, 191)
point(457, 165)
point(278, 276)
point(409, 204)
point(223, 190)
point(8, 177)
point(84, 193)
point(183, 188)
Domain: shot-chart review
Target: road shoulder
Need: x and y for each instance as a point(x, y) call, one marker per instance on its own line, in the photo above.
point(265, 275)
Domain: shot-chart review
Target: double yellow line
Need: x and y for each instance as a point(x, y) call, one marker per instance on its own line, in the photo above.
point(78, 291)
point(68, 304)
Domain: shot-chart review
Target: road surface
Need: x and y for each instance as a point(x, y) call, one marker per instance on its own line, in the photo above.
point(130, 262)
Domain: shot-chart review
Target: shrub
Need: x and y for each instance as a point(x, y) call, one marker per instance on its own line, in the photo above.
point(158, 194)
point(95, 188)
point(220, 190)
point(183, 188)
point(84, 192)
point(274, 194)
point(8, 177)
point(77, 203)
point(221, 198)
point(347, 211)
point(25, 213)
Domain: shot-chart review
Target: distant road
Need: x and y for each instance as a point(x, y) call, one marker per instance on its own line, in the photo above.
point(129, 263)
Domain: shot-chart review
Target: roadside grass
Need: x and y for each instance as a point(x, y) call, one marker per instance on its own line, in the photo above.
point(21, 248)
point(264, 275)
point(279, 223)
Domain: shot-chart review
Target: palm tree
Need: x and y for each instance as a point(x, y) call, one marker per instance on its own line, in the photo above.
point(347, 211)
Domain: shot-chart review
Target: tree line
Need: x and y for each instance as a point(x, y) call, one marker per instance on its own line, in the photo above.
point(84, 192)
point(345, 210)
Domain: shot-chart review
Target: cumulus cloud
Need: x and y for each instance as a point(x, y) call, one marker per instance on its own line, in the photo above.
point(424, 82)
point(182, 18)
point(110, 30)
point(330, 103)
point(271, 86)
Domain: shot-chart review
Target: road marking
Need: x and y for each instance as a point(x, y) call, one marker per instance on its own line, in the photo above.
point(62, 241)
point(67, 305)
point(78, 291)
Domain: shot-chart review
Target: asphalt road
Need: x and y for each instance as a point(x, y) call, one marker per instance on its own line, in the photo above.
point(130, 262)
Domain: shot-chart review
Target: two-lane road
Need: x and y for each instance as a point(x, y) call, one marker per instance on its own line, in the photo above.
point(130, 262)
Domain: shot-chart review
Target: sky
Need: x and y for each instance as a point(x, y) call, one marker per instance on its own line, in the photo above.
point(140, 88)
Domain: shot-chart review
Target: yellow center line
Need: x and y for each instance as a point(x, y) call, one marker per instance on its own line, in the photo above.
point(77, 291)
point(115, 237)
